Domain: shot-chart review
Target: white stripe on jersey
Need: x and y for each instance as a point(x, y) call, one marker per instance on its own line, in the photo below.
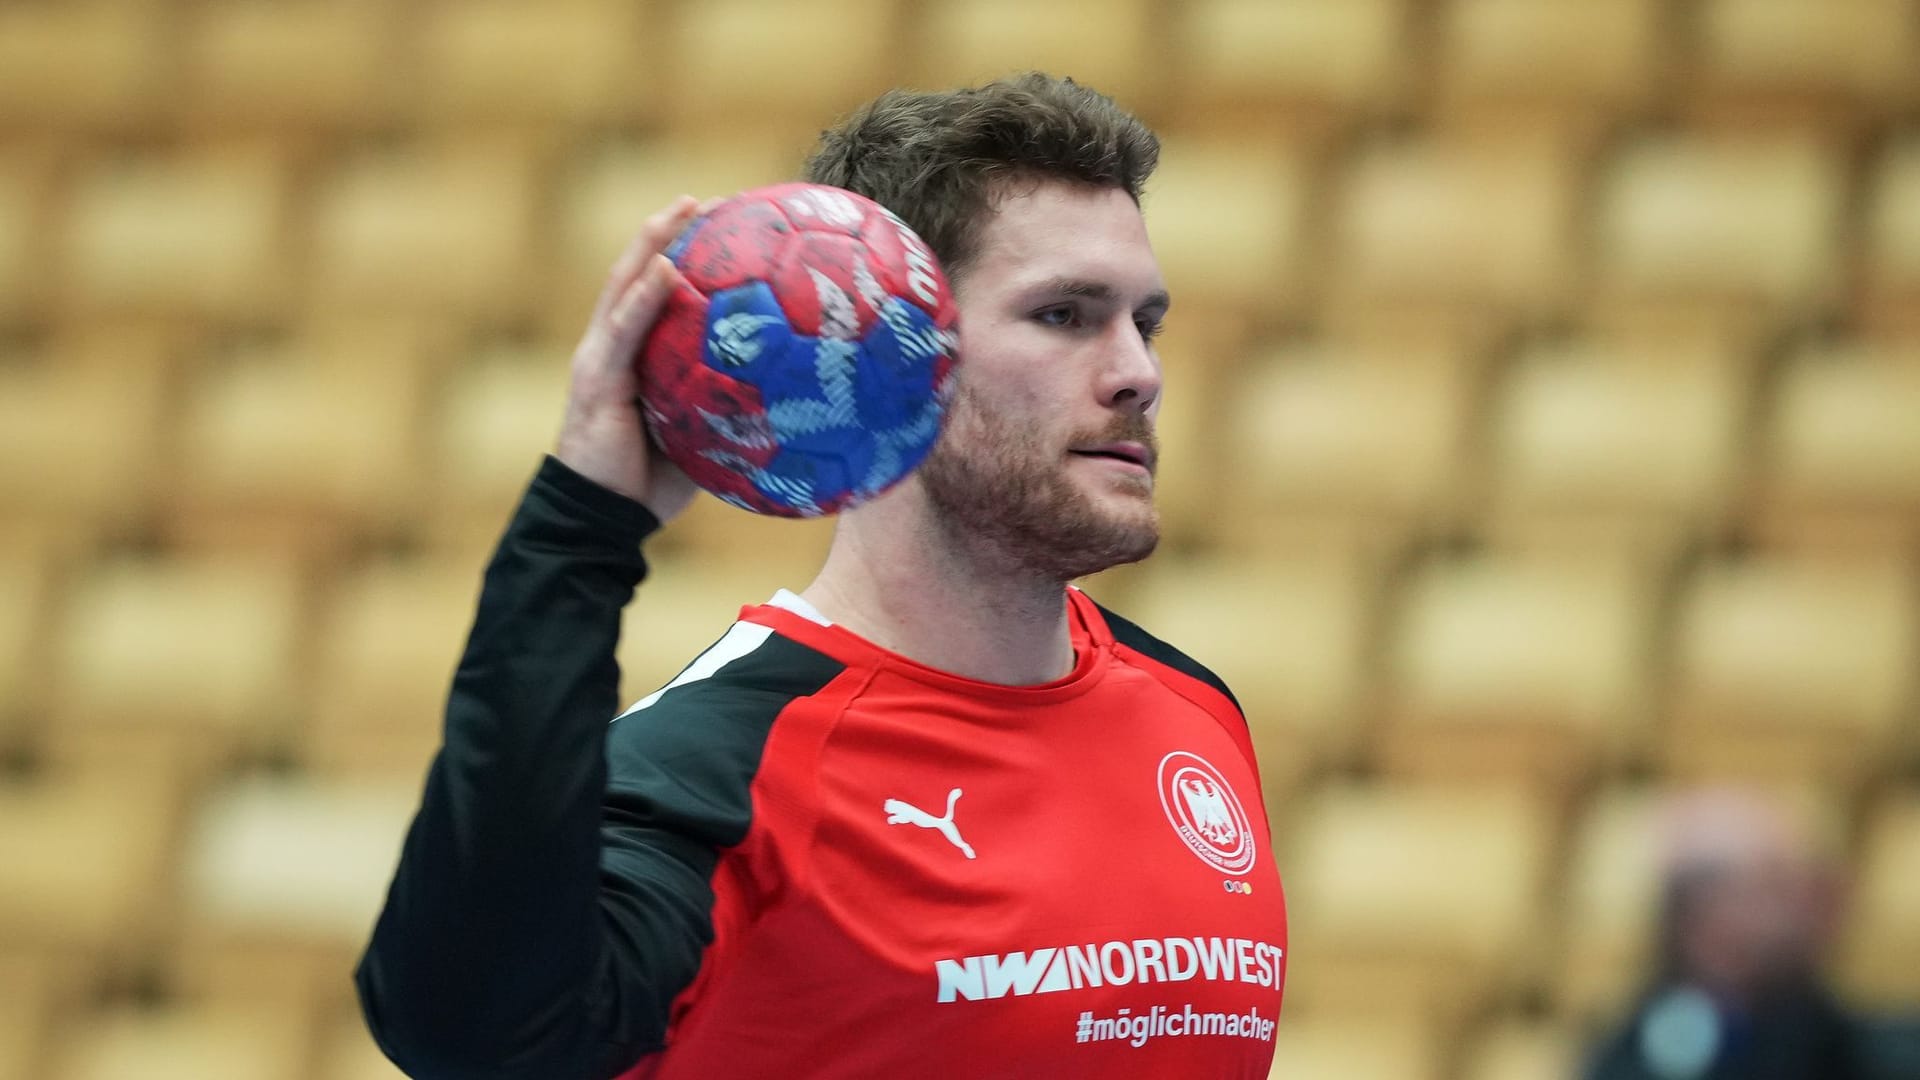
point(740, 639)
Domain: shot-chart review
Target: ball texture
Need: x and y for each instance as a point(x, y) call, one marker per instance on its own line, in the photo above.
point(803, 367)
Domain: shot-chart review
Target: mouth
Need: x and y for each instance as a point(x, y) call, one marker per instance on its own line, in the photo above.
point(1131, 453)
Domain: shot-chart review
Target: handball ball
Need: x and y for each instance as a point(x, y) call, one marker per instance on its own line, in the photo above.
point(803, 366)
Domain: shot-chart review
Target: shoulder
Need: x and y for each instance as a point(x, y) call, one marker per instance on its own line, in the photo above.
point(738, 685)
point(1129, 635)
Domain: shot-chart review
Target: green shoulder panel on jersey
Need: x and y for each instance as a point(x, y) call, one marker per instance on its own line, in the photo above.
point(1129, 634)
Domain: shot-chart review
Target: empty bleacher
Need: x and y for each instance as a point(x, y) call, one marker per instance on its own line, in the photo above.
point(1542, 438)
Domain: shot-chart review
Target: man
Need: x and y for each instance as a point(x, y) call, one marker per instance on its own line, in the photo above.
point(938, 814)
point(1748, 911)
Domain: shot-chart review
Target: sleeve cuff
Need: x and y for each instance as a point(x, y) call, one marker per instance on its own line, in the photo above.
point(608, 510)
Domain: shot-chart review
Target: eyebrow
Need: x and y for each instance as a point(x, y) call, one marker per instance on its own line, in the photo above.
point(1156, 302)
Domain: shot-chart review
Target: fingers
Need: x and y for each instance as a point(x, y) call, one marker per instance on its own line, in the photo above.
point(655, 234)
point(640, 304)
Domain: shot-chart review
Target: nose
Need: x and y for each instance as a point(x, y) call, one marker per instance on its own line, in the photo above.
point(1131, 377)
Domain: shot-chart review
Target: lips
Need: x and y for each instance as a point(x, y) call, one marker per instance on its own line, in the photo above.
point(1133, 452)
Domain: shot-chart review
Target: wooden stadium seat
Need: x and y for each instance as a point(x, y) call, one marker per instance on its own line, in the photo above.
point(26, 985)
point(1105, 44)
point(1577, 56)
point(90, 64)
point(201, 234)
point(281, 879)
point(1415, 901)
point(1359, 1048)
point(311, 65)
point(188, 660)
point(755, 64)
point(497, 415)
point(26, 586)
point(443, 227)
point(1364, 428)
point(389, 638)
point(611, 190)
point(1610, 901)
point(29, 177)
point(1523, 1050)
point(1892, 237)
point(1241, 57)
point(87, 852)
point(1841, 445)
point(1741, 220)
point(1853, 53)
point(1228, 219)
point(1525, 667)
point(81, 417)
point(1290, 632)
point(305, 444)
point(578, 62)
point(1793, 665)
point(259, 1041)
point(1608, 436)
point(1471, 219)
point(1880, 951)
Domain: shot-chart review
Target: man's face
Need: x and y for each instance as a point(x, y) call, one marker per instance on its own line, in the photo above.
point(1049, 452)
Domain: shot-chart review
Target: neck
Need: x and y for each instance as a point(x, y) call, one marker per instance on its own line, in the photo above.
point(900, 578)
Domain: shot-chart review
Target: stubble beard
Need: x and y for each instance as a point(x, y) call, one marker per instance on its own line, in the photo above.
point(997, 484)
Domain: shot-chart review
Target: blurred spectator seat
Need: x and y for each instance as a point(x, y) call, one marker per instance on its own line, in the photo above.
point(610, 191)
point(28, 177)
point(497, 415)
point(1892, 236)
point(1527, 668)
point(290, 67)
point(1573, 55)
point(1358, 1048)
point(1604, 438)
point(1240, 58)
point(258, 1041)
point(1523, 1050)
point(1793, 666)
point(201, 233)
point(575, 62)
point(348, 1052)
point(1478, 218)
point(188, 660)
point(281, 880)
point(1289, 632)
point(445, 227)
point(1843, 443)
point(1849, 53)
point(86, 851)
point(303, 444)
point(1412, 900)
point(1741, 221)
point(1228, 218)
point(1105, 44)
point(88, 63)
point(758, 63)
point(80, 423)
point(389, 639)
point(1361, 429)
point(1880, 953)
point(26, 585)
point(26, 985)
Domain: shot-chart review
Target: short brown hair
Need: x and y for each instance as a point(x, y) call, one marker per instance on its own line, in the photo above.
point(937, 159)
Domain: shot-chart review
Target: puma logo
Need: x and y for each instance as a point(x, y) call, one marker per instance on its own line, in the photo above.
point(904, 813)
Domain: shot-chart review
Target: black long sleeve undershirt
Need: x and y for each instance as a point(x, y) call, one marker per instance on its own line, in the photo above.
point(539, 925)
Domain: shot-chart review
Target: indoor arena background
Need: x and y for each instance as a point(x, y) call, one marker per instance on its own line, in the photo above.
point(1542, 435)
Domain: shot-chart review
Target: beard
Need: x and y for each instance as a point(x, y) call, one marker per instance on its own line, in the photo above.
point(999, 483)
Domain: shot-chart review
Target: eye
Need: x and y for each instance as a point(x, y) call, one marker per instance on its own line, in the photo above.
point(1149, 328)
point(1066, 315)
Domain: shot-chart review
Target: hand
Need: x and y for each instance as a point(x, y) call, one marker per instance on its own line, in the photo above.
point(604, 436)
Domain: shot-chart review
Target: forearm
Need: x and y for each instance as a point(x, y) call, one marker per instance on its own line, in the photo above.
point(491, 934)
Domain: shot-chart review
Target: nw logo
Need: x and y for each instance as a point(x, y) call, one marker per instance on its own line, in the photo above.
point(904, 813)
